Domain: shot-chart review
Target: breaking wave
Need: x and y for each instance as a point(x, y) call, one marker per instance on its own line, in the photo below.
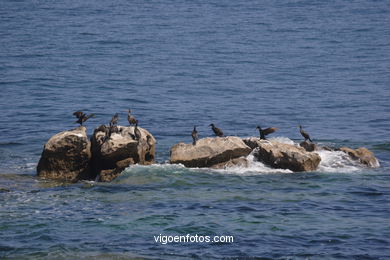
point(337, 161)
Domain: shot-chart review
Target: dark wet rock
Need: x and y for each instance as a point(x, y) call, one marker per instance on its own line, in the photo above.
point(236, 162)
point(121, 147)
point(110, 174)
point(252, 142)
point(209, 151)
point(284, 156)
point(309, 147)
point(66, 156)
point(363, 155)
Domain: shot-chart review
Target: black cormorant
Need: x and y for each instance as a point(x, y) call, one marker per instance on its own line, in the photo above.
point(82, 117)
point(131, 118)
point(304, 134)
point(267, 131)
point(114, 119)
point(217, 131)
point(194, 135)
point(137, 132)
point(149, 142)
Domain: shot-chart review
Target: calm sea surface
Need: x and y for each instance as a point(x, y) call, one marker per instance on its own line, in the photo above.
point(322, 64)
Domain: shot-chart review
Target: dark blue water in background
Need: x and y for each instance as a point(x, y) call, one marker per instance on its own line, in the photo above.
point(322, 64)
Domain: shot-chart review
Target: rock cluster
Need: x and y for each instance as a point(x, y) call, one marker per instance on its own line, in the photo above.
point(70, 156)
point(223, 152)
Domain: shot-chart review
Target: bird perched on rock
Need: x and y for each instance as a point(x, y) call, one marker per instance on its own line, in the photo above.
point(105, 130)
point(114, 119)
point(78, 114)
point(137, 132)
point(149, 142)
point(82, 117)
point(194, 135)
point(304, 134)
point(267, 131)
point(217, 131)
point(130, 118)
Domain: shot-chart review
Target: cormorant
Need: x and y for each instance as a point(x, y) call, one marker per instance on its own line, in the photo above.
point(137, 132)
point(131, 118)
point(105, 130)
point(111, 130)
point(78, 114)
point(304, 134)
point(82, 117)
point(217, 131)
point(149, 142)
point(114, 119)
point(267, 131)
point(194, 135)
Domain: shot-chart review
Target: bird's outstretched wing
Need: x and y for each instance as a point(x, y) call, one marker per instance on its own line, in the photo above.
point(270, 130)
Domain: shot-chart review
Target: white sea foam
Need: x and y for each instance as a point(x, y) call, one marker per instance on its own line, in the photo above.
point(254, 168)
point(336, 161)
point(331, 161)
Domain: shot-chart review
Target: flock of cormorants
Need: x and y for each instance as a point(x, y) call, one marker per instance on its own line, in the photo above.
point(112, 128)
point(263, 132)
point(82, 117)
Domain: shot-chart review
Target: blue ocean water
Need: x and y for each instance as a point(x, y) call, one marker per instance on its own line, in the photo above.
point(178, 63)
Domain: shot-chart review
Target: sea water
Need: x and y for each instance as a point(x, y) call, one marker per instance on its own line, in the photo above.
point(176, 64)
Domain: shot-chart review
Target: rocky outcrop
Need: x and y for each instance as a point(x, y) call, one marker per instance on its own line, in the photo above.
point(209, 151)
point(283, 156)
point(112, 154)
point(66, 156)
point(362, 155)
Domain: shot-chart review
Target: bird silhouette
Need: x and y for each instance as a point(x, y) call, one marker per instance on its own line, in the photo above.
point(304, 134)
point(82, 117)
point(130, 118)
point(194, 135)
point(267, 131)
point(217, 131)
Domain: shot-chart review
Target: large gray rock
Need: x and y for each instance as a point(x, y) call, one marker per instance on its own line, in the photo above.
point(122, 147)
point(209, 151)
point(66, 156)
point(283, 156)
point(363, 155)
